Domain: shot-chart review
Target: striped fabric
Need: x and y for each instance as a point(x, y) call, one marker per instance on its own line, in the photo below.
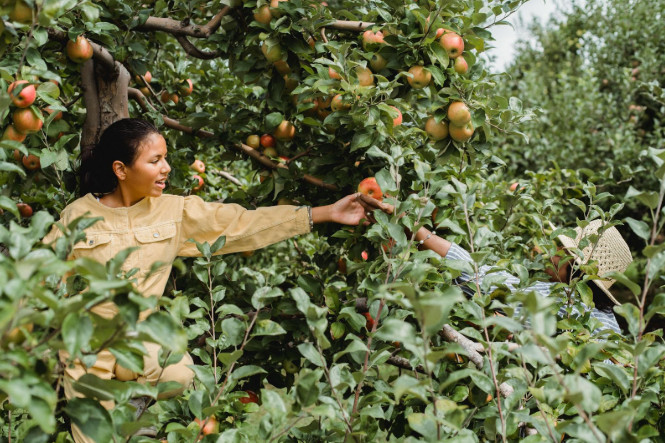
point(606, 317)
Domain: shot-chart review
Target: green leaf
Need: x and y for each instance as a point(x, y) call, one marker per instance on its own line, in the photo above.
point(307, 389)
point(640, 228)
point(423, 424)
point(311, 354)
point(267, 327)
point(614, 373)
point(77, 331)
point(162, 329)
point(93, 420)
point(247, 371)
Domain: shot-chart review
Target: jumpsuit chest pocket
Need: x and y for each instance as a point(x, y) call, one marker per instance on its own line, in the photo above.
point(156, 243)
point(96, 246)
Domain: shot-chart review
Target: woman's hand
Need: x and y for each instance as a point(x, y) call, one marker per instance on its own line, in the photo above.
point(349, 210)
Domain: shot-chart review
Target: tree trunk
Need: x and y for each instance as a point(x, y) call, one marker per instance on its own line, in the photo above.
point(105, 94)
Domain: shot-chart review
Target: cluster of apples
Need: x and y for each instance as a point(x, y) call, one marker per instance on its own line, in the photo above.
point(284, 132)
point(185, 88)
point(460, 128)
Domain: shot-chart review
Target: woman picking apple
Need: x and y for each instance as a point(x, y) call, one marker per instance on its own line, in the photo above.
point(122, 180)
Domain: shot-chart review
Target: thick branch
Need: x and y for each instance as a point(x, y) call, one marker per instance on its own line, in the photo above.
point(176, 27)
point(451, 335)
point(196, 52)
point(91, 100)
point(344, 25)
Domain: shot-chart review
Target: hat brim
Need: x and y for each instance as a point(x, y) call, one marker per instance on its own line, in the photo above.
point(569, 244)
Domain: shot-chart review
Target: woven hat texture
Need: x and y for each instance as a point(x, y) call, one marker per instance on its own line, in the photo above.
point(611, 252)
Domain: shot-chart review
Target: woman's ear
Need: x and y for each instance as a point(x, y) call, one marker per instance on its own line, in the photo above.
point(119, 170)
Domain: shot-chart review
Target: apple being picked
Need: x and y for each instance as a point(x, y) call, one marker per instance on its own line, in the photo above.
point(371, 188)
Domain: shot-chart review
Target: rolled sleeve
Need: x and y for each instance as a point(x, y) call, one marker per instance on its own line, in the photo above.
point(245, 230)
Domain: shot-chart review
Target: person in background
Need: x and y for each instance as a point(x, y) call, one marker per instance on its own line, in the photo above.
point(611, 253)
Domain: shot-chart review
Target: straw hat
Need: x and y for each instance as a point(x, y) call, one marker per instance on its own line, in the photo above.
point(611, 252)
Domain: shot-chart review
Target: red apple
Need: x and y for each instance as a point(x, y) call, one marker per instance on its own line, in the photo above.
point(419, 78)
point(461, 66)
point(26, 121)
point(50, 111)
point(452, 43)
point(208, 426)
point(285, 131)
point(371, 188)
point(267, 141)
point(397, 120)
point(263, 15)
point(12, 134)
point(272, 53)
point(370, 37)
point(334, 74)
point(31, 162)
point(365, 76)
point(338, 103)
point(370, 322)
point(458, 113)
point(24, 98)
point(186, 87)
point(282, 67)
point(200, 183)
point(436, 131)
point(461, 133)
point(198, 166)
point(251, 397)
point(24, 209)
point(80, 50)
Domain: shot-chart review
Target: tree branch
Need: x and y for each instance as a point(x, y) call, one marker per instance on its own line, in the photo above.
point(176, 27)
point(137, 95)
point(344, 25)
point(196, 52)
point(227, 176)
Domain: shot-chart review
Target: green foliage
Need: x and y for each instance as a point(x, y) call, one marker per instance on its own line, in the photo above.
point(328, 329)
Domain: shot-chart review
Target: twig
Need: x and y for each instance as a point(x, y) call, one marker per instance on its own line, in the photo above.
point(487, 338)
point(227, 176)
point(323, 35)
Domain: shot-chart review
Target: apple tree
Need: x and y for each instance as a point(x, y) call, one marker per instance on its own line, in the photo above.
point(344, 334)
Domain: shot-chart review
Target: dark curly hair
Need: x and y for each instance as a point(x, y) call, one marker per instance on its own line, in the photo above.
point(120, 141)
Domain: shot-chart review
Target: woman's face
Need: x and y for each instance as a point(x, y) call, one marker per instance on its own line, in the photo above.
point(146, 177)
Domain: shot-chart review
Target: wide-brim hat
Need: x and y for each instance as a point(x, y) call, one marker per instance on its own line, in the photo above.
point(611, 252)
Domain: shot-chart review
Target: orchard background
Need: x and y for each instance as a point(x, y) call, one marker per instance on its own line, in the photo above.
point(344, 334)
